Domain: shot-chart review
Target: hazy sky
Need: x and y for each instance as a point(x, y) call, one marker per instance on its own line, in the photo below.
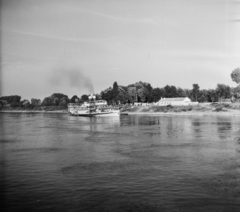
point(63, 46)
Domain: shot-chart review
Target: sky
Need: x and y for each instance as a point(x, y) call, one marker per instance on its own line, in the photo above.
point(78, 47)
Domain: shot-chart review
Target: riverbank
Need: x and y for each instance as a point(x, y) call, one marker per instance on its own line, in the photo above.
point(42, 109)
point(33, 111)
point(192, 113)
point(204, 109)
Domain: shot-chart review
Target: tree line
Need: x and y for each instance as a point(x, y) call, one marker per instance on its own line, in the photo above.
point(144, 92)
point(137, 92)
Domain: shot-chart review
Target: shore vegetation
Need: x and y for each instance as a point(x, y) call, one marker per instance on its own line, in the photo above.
point(141, 92)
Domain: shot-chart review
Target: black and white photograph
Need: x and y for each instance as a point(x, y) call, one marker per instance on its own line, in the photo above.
point(120, 105)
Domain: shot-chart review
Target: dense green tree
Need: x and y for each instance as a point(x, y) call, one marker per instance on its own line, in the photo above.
point(144, 91)
point(48, 101)
point(56, 101)
point(3, 103)
point(157, 93)
point(26, 103)
point(115, 91)
point(223, 91)
point(195, 92)
point(212, 95)
point(84, 97)
point(236, 92)
point(59, 95)
point(149, 92)
point(16, 104)
point(170, 91)
point(63, 103)
point(235, 75)
point(107, 95)
point(74, 99)
point(181, 92)
point(148, 86)
point(57, 98)
point(203, 95)
point(132, 94)
point(143, 94)
point(36, 102)
point(138, 85)
point(201, 98)
point(188, 92)
point(11, 99)
point(122, 97)
point(97, 96)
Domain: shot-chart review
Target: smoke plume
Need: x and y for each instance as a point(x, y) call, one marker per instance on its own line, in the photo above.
point(73, 77)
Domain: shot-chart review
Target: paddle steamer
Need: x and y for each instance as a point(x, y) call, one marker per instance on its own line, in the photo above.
point(93, 108)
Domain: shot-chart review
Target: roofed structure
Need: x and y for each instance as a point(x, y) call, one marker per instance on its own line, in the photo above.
point(174, 101)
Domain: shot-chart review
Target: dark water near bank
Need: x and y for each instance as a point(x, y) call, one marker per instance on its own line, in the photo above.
point(54, 162)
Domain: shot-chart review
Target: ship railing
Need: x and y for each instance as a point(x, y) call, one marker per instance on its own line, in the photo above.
point(74, 104)
point(114, 107)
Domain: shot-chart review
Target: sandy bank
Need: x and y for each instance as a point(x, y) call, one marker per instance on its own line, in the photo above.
point(189, 113)
point(203, 109)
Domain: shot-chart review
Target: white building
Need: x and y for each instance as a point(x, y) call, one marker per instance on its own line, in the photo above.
point(175, 101)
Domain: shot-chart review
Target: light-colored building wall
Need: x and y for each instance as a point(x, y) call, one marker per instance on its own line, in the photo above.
point(174, 101)
point(181, 101)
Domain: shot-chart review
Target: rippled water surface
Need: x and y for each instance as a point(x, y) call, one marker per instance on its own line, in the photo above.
point(56, 162)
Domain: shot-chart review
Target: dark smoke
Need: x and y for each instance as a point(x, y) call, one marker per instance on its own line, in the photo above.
point(74, 77)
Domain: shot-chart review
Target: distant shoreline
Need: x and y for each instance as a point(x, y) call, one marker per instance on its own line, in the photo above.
point(33, 111)
point(227, 113)
point(188, 113)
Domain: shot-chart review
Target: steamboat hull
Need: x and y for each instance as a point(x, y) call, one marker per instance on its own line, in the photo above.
point(102, 114)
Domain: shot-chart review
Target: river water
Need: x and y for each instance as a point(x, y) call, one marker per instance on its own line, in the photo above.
point(56, 162)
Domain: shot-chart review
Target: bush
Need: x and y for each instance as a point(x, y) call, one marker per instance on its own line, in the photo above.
point(146, 109)
point(227, 105)
point(219, 109)
point(133, 109)
point(36, 102)
point(48, 101)
point(165, 110)
point(25, 103)
point(16, 104)
point(63, 103)
point(158, 108)
point(3, 103)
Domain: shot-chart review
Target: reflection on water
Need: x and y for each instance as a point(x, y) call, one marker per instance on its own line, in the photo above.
point(56, 162)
